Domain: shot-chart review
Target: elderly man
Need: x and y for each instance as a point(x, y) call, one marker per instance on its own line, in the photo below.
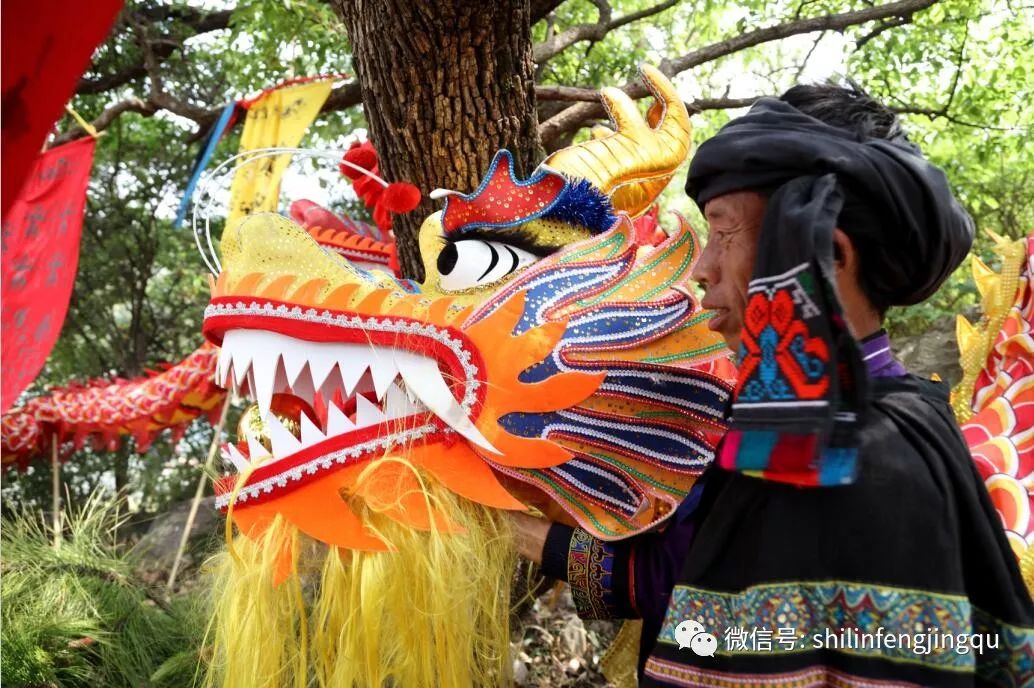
point(843, 536)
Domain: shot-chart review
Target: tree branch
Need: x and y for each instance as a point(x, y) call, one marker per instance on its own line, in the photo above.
point(108, 117)
point(944, 112)
point(880, 28)
point(198, 20)
point(541, 8)
point(341, 98)
point(577, 94)
point(586, 105)
point(642, 14)
point(573, 117)
point(807, 58)
point(158, 95)
point(559, 42)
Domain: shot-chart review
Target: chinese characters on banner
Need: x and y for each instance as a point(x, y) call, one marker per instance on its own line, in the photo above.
point(278, 119)
point(40, 252)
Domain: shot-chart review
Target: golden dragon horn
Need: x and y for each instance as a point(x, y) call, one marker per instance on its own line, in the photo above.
point(635, 162)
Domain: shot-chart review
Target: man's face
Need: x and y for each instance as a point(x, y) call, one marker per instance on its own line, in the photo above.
point(725, 266)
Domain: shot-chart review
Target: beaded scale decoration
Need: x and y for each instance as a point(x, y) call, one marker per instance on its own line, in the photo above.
point(994, 402)
point(548, 359)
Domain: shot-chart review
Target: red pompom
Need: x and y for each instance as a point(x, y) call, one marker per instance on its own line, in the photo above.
point(646, 227)
point(382, 218)
point(400, 197)
point(362, 155)
point(365, 186)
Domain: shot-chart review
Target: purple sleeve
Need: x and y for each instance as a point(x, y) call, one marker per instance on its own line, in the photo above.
point(630, 578)
point(656, 559)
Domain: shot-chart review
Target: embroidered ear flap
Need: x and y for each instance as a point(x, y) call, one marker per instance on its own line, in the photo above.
point(801, 385)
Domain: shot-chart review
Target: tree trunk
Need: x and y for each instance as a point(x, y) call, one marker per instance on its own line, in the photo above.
point(444, 85)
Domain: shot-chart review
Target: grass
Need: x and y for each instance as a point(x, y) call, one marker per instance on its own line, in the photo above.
point(76, 614)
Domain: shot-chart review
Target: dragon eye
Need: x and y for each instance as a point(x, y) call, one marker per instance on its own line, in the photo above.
point(476, 263)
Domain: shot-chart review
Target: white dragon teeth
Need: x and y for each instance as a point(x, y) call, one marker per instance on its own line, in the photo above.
point(321, 361)
point(233, 455)
point(283, 440)
point(367, 413)
point(332, 385)
point(422, 376)
point(302, 385)
point(222, 368)
point(399, 404)
point(264, 368)
point(350, 370)
point(310, 433)
point(337, 422)
point(382, 370)
point(294, 362)
point(273, 363)
point(255, 448)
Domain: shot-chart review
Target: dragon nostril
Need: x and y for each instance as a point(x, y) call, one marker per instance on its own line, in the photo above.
point(447, 259)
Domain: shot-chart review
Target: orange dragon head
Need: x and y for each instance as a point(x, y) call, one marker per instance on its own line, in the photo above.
point(547, 359)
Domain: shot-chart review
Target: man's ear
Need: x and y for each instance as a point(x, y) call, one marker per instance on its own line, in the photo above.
point(845, 258)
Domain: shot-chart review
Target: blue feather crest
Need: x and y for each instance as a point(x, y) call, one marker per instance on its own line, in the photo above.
point(584, 205)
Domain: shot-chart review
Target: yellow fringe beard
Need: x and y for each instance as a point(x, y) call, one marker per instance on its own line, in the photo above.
point(433, 611)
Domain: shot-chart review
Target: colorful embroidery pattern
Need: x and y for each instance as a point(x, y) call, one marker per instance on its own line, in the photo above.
point(820, 609)
point(791, 421)
point(812, 677)
point(590, 571)
point(781, 358)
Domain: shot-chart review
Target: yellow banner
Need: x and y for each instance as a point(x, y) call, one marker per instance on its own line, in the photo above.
point(279, 119)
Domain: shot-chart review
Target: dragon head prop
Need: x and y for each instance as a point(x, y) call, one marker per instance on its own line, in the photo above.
point(548, 358)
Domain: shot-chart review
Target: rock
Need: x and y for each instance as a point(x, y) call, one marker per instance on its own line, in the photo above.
point(521, 674)
point(574, 666)
point(157, 548)
point(934, 352)
point(574, 638)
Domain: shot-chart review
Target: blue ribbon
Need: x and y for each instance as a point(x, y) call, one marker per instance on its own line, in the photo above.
point(202, 162)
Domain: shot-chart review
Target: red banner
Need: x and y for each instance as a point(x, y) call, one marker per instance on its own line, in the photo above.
point(40, 252)
point(46, 46)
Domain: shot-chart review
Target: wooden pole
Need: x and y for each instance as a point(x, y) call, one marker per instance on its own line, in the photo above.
point(213, 449)
point(55, 490)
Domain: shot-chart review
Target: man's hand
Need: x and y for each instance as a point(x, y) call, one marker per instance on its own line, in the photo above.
point(530, 534)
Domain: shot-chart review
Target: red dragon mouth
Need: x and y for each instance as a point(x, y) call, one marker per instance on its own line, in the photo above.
point(324, 403)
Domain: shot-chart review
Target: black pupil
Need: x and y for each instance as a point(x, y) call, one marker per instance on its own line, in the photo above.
point(447, 259)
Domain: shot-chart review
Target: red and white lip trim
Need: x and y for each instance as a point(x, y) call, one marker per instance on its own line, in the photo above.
point(292, 473)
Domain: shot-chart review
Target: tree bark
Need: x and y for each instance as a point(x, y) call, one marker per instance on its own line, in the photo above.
point(444, 86)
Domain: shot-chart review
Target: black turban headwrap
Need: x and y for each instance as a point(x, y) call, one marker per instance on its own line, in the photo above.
point(898, 208)
point(800, 394)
